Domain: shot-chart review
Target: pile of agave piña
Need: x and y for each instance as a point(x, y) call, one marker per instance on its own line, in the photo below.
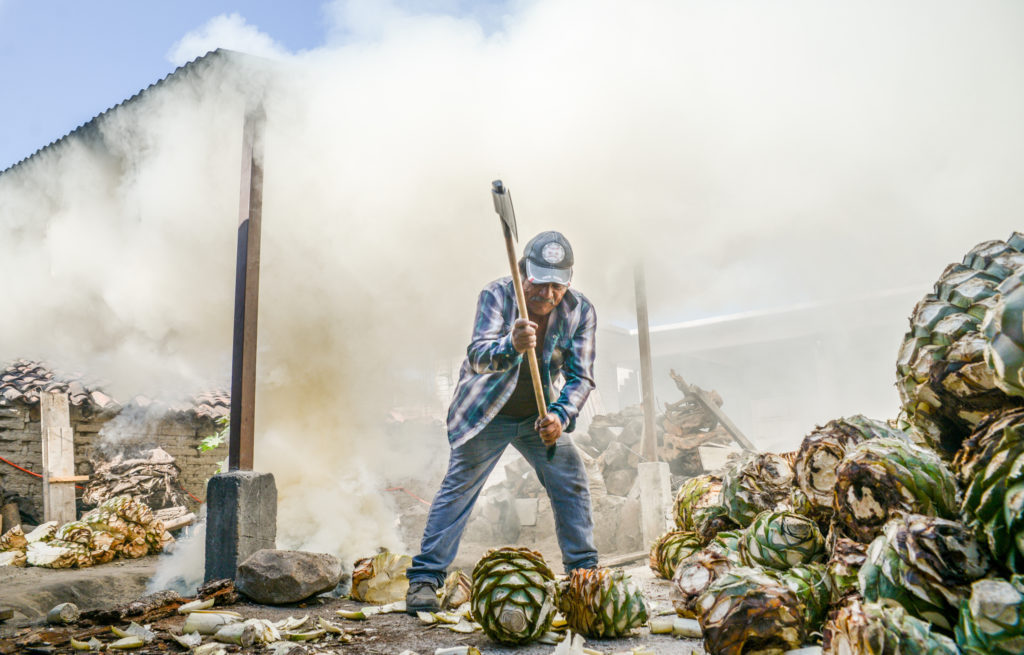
point(881, 538)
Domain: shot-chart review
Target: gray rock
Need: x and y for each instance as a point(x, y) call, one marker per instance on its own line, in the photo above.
point(279, 577)
point(617, 457)
point(618, 483)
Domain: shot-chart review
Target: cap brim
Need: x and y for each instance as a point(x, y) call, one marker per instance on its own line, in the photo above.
point(544, 275)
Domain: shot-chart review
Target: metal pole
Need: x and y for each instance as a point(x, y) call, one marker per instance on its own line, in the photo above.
point(646, 377)
point(247, 289)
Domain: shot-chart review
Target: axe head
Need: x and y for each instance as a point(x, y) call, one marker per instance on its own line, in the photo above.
point(503, 205)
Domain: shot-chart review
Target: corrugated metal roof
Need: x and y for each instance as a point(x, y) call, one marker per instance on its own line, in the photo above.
point(195, 65)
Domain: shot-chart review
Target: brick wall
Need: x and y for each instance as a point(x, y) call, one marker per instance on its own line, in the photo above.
point(21, 443)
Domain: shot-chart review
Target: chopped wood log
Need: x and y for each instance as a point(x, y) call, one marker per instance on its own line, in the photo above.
point(222, 591)
point(180, 522)
point(9, 517)
point(6, 614)
point(63, 614)
point(169, 513)
point(148, 608)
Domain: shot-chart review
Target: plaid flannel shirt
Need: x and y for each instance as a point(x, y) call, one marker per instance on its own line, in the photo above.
point(489, 372)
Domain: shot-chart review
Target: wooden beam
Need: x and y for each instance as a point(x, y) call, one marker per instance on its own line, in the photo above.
point(649, 449)
point(58, 457)
point(247, 288)
point(69, 478)
point(708, 403)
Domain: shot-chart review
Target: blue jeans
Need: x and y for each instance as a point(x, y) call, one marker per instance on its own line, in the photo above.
point(564, 478)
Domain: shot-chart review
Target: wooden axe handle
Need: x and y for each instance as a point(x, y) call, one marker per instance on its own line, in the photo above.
point(531, 354)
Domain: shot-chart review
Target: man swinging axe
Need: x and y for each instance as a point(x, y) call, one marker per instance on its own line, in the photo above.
point(495, 405)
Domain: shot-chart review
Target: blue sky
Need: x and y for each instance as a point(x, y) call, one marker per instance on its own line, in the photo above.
point(63, 62)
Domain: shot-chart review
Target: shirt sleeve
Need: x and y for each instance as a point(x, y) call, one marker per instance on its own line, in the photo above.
point(578, 370)
point(491, 349)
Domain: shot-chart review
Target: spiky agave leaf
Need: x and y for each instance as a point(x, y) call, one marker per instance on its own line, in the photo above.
point(700, 492)
point(813, 587)
point(456, 591)
point(670, 548)
point(821, 452)
point(883, 478)
point(945, 386)
point(859, 628)
point(380, 579)
point(693, 577)
point(991, 464)
point(780, 540)
point(513, 596)
point(754, 484)
point(748, 611)
point(992, 619)
point(602, 603)
point(925, 564)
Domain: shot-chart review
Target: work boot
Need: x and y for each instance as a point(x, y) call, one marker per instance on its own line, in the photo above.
point(421, 597)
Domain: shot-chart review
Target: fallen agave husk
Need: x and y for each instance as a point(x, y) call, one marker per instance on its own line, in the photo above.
point(601, 603)
point(209, 649)
point(194, 605)
point(189, 641)
point(305, 636)
point(661, 626)
point(456, 591)
point(513, 595)
point(353, 615)
point(291, 623)
point(242, 634)
point(924, 564)
point(208, 623)
point(381, 579)
point(128, 643)
point(92, 644)
point(992, 619)
point(686, 628)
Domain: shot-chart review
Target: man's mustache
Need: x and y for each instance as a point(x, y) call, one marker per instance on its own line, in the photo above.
point(543, 300)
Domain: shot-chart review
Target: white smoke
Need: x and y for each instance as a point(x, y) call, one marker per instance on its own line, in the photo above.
point(757, 154)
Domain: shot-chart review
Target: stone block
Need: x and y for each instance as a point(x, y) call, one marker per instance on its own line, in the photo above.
point(527, 509)
point(241, 519)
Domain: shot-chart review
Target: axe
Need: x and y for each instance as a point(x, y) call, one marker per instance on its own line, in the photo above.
point(503, 205)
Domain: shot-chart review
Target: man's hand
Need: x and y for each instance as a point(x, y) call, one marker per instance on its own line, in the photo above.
point(549, 427)
point(524, 335)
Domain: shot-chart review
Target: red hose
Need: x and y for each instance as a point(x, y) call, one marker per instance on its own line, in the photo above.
point(404, 490)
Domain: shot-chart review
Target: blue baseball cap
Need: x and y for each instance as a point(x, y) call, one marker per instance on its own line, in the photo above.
point(548, 259)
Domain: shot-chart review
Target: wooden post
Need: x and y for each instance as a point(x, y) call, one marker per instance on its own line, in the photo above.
point(247, 289)
point(58, 458)
point(649, 450)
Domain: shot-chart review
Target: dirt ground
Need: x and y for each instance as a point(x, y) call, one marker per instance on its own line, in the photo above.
point(32, 591)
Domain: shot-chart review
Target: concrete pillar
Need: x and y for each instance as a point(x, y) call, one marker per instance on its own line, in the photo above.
point(655, 483)
point(241, 518)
